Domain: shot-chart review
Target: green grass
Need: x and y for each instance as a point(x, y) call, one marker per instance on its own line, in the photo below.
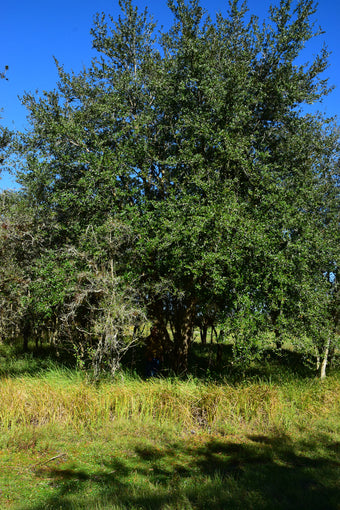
point(69, 443)
point(260, 436)
point(151, 468)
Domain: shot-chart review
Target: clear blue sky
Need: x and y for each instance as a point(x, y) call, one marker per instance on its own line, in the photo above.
point(33, 32)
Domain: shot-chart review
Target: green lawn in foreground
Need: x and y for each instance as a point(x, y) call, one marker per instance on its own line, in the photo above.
point(69, 443)
point(146, 467)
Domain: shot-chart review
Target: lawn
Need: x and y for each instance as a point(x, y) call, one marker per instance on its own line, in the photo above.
point(69, 443)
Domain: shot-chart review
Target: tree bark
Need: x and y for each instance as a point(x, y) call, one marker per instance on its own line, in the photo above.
point(325, 358)
point(203, 333)
point(183, 329)
point(318, 362)
point(275, 314)
point(26, 334)
point(160, 322)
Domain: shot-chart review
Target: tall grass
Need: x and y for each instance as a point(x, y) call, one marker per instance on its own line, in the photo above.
point(68, 399)
point(167, 444)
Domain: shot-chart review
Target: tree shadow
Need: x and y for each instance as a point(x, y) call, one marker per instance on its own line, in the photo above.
point(206, 362)
point(262, 473)
point(14, 362)
point(217, 361)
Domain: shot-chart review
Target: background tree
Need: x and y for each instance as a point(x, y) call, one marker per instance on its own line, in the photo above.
point(5, 134)
point(18, 247)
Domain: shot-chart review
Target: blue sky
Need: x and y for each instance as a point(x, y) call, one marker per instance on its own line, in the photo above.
point(33, 32)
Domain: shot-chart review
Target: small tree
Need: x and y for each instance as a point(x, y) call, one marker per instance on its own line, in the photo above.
point(19, 245)
point(102, 312)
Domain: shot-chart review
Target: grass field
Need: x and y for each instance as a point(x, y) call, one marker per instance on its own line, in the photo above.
point(69, 443)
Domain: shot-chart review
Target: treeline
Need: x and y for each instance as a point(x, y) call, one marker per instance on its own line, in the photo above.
point(179, 182)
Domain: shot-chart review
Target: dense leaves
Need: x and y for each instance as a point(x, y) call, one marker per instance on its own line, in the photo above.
point(192, 149)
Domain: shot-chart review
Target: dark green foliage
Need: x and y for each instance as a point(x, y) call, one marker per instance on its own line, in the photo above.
point(221, 192)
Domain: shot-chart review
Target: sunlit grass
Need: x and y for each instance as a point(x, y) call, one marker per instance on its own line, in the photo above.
point(68, 398)
point(67, 442)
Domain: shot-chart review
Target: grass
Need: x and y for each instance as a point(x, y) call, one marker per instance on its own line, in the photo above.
point(268, 439)
point(68, 443)
point(162, 470)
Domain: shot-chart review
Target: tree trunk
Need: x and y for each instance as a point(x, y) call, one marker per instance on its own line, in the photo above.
point(275, 314)
point(160, 322)
point(213, 332)
point(318, 362)
point(164, 337)
point(203, 334)
point(181, 348)
point(325, 358)
point(183, 326)
point(26, 334)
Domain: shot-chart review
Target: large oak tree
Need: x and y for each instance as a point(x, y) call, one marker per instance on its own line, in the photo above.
point(196, 140)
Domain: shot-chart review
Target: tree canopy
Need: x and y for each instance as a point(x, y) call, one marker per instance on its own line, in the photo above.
point(183, 164)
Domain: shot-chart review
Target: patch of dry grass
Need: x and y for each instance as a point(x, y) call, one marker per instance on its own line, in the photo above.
point(74, 402)
point(66, 443)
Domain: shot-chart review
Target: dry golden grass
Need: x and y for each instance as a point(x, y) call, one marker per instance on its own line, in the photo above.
point(167, 444)
point(73, 401)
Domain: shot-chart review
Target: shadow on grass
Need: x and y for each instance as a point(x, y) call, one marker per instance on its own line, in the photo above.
point(210, 362)
point(218, 362)
point(14, 362)
point(262, 473)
